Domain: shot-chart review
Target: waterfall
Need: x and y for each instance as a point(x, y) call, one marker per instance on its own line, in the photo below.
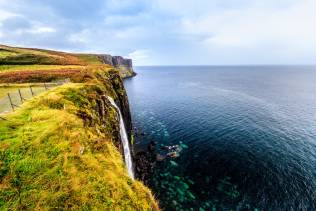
point(125, 142)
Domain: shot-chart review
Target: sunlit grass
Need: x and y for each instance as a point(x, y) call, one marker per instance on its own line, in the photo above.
point(26, 56)
point(15, 51)
point(13, 90)
point(9, 68)
point(90, 59)
point(56, 151)
point(51, 158)
point(6, 53)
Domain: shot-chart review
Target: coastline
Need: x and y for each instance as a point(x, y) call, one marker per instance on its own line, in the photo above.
point(74, 157)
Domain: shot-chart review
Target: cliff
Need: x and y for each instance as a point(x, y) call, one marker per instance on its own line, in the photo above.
point(124, 65)
point(31, 56)
point(62, 149)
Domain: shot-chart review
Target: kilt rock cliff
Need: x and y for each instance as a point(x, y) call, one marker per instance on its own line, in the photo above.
point(64, 149)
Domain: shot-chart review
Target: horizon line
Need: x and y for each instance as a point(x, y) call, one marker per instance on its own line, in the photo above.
point(220, 65)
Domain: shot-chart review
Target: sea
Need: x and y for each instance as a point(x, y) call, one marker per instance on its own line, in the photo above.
point(244, 136)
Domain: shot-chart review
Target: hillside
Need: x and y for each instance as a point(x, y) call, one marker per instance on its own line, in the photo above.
point(62, 148)
point(25, 59)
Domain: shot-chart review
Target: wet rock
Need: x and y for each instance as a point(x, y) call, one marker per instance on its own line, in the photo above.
point(145, 163)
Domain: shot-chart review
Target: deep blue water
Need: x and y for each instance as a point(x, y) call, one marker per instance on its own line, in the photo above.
point(250, 132)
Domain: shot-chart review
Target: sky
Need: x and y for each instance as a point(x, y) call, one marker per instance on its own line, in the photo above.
point(168, 32)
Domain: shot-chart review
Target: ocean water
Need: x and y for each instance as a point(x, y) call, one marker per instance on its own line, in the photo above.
point(247, 134)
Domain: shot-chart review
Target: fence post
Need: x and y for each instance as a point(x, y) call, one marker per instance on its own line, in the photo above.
point(12, 106)
point(21, 98)
point(32, 91)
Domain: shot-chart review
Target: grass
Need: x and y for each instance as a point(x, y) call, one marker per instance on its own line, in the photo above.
point(52, 159)
point(4, 53)
point(11, 68)
point(13, 50)
point(59, 151)
point(25, 56)
point(34, 76)
point(27, 59)
point(26, 93)
point(90, 59)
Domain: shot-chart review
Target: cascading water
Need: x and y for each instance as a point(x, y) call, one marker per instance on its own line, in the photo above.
point(124, 139)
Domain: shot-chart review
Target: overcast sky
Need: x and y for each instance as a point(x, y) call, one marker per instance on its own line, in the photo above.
point(168, 32)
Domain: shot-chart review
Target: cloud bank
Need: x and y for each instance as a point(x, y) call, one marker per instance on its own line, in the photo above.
point(164, 32)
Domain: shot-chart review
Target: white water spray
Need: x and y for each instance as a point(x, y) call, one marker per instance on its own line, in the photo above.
point(124, 139)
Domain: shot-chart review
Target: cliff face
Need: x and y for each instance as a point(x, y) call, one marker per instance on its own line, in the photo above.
point(122, 102)
point(124, 65)
point(62, 149)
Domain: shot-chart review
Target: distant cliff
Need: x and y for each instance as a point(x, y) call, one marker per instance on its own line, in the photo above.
point(124, 65)
point(31, 56)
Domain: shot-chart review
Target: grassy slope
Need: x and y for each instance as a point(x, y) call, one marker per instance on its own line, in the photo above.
point(58, 150)
point(11, 68)
point(23, 56)
point(26, 59)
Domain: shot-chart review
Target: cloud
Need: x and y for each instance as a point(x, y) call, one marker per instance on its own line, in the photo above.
point(140, 56)
point(41, 30)
point(273, 32)
point(79, 38)
point(21, 25)
point(167, 32)
point(254, 27)
point(5, 15)
point(126, 7)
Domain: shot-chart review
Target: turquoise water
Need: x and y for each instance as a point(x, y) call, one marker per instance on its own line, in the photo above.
point(248, 135)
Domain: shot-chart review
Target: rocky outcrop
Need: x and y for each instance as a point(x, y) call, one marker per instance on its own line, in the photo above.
point(124, 65)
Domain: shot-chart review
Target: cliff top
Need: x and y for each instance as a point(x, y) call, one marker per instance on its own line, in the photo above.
point(15, 59)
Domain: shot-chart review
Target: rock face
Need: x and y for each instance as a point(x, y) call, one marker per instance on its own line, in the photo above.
point(115, 82)
point(124, 65)
point(119, 61)
point(122, 101)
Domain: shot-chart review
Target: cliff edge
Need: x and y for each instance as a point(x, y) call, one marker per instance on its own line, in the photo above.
point(62, 149)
